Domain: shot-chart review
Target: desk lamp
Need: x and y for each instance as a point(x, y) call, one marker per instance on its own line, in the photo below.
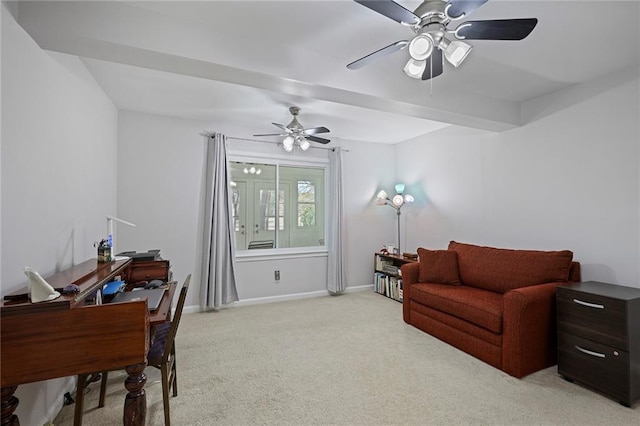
point(396, 202)
point(112, 244)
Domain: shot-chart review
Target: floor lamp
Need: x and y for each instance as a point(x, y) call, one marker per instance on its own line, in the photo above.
point(398, 200)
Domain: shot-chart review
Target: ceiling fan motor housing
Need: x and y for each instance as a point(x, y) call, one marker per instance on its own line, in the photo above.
point(431, 11)
point(295, 125)
point(432, 26)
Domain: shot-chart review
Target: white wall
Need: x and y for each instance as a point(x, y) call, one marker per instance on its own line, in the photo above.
point(368, 167)
point(58, 176)
point(160, 163)
point(569, 179)
point(159, 187)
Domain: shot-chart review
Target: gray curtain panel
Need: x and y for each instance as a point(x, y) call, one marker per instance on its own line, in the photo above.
point(218, 262)
point(336, 274)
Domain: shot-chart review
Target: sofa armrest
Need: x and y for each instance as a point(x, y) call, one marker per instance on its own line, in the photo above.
point(529, 329)
point(410, 273)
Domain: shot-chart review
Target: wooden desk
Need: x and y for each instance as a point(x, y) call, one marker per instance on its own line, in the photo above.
point(67, 337)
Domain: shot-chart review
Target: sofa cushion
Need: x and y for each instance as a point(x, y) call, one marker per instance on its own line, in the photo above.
point(438, 266)
point(501, 270)
point(480, 307)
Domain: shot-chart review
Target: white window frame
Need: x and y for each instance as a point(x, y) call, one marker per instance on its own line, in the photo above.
point(285, 161)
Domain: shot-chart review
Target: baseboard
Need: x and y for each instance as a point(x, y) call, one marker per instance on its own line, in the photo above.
point(355, 289)
point(282, 298)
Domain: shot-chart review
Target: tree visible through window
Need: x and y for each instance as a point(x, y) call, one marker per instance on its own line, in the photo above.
point(306, 204)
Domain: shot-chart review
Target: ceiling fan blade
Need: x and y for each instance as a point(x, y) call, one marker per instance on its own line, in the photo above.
point(317, 139)
point(316, 130)
point(463, 7)
point(434, 65)
point(392, 48)
point(272, 134)
point(391, 10)
point(497, 29)
point(281, 126)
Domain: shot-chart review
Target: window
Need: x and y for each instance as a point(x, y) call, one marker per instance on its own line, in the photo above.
point(277, 206)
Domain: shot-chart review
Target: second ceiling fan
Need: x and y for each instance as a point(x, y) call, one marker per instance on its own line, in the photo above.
point(431, 42)
point(296, 133)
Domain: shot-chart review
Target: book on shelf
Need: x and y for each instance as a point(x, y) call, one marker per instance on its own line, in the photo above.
point(390, 269)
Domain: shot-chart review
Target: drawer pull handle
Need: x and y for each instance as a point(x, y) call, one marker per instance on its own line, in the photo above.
point(588, 352)
point(590, 305)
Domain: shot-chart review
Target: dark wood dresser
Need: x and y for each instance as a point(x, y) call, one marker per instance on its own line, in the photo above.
point(599, 338)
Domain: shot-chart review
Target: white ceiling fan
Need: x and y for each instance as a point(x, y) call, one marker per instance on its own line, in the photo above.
point(433, 39)
point(294, 132)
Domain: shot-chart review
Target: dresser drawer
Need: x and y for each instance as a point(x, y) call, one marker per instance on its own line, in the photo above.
point(148, 270)
point(592, 316)
point(599, 366)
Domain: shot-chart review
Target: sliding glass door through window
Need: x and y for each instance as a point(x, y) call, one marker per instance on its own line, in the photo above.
point(277, 206)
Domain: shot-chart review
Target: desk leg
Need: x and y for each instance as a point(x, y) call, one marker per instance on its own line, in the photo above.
point(8, 406)
point(135, 403)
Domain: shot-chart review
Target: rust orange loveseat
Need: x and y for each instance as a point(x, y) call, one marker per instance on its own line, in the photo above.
point(495, 304)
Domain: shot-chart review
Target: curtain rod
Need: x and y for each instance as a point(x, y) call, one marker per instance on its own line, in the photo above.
point(258, 140)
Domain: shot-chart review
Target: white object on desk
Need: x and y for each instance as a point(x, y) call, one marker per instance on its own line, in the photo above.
point(39, 289)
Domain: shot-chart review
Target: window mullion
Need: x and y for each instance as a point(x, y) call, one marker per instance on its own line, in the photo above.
point(277, 208)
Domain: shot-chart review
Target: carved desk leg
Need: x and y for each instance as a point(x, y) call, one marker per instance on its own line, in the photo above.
point(135, 403)
point(9, 404)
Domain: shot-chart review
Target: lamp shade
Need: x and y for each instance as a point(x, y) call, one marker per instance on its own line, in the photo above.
point(304, 144)
point(409, 198)
point(399, 188)
point(397, 200)
point(287, 144)
point(421, 47)
point(414, 69)
point(382, 195)
point(457, 51)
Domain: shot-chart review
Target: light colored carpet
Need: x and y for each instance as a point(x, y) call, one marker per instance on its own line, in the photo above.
point(346, 360)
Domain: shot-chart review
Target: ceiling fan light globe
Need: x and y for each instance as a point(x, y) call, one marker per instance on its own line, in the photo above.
point(414, 69)
point(304, 144)
point(287, 144)
point(457, 51)
point(421, 46)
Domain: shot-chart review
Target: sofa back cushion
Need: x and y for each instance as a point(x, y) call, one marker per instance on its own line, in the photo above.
point(501, 270)
point(438, 266)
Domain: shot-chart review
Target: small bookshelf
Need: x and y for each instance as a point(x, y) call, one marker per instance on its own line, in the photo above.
point(387, 275)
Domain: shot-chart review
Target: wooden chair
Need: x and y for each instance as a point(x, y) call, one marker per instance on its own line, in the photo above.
point(162, 355)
